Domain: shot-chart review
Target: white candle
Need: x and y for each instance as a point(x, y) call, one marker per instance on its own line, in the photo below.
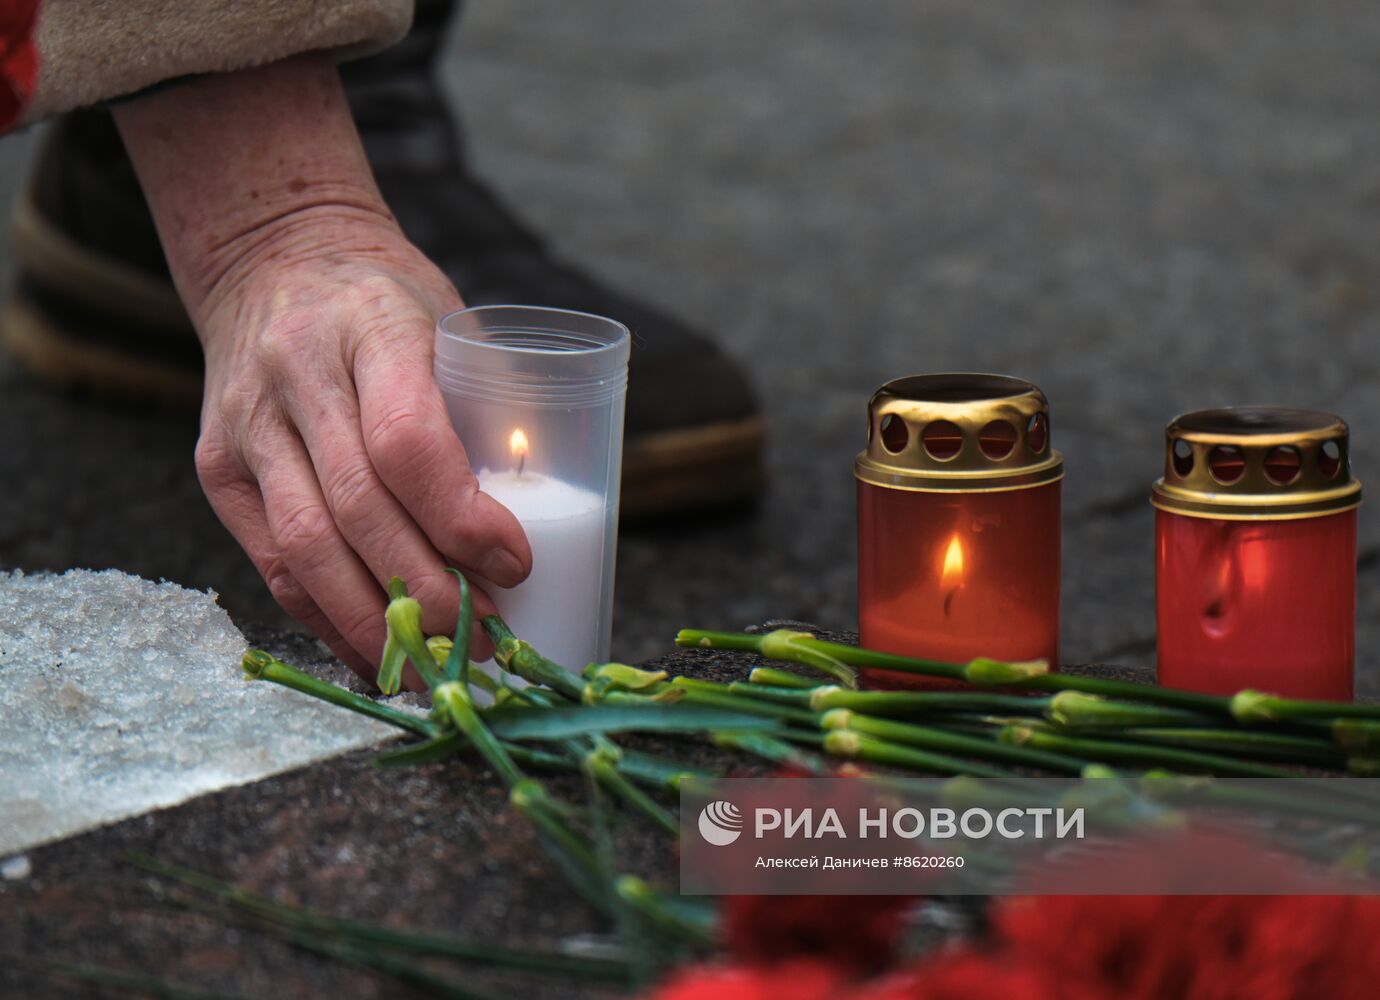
point(557, 608)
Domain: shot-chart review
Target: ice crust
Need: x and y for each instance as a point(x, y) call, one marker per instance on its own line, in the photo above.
point(119, 695)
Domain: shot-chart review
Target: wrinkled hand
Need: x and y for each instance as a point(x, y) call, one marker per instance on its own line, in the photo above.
point(325, 445)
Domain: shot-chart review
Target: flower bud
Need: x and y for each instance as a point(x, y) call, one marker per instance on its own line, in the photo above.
point(985, 671)
point(404, 617)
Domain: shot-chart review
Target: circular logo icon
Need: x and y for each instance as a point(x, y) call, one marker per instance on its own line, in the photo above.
point(721, 823)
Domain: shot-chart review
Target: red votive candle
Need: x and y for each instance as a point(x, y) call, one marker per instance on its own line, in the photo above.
point(1255, 542)
point(958, 523)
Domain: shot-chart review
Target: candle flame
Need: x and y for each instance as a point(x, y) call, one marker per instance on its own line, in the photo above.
point(951, 576)
point(517, 444)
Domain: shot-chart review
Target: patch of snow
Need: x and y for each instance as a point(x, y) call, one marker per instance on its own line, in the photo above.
point(119, 695)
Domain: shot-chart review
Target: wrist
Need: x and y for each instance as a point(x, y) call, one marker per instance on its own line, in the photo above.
point(256, 167)
point(263, 255)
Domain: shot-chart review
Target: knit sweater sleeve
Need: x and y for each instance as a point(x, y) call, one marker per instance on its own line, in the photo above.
point(57, 55)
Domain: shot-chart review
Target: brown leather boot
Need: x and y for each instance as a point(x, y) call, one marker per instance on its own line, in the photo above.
point(93, 304)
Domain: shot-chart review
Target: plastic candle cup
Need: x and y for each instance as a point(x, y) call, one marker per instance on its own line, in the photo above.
point(1255, 542)
point(536, 397)
point(958, 523)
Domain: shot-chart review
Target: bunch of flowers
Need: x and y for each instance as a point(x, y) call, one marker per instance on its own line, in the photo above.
point(1069, 948)
point(1158, 744)
point(1054, 948)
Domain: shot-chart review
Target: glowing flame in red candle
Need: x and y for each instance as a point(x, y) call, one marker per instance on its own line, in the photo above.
point(951, 575)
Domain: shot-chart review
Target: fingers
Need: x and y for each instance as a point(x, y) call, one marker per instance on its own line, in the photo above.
point(307, 563)
point(370, 519)
point(240, 506)
point(335, 466)
point(381, 532)
point(307, 541)
point(410, 442)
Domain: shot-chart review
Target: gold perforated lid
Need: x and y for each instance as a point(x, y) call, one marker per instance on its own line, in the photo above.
point(1256, 463)
point(958, 431)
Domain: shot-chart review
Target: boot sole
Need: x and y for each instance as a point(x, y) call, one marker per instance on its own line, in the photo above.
point(64, 266)
point(78, 363)
point(680, 471)
point(694, 469)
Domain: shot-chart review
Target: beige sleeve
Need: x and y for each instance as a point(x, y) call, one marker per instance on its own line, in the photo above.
point(95, 50)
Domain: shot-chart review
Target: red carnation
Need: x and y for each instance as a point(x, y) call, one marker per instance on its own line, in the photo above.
point(800, 979)
point(859, 934)
point(1200, 947)
point(974, 975)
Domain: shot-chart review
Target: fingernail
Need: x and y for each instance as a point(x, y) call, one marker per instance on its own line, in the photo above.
point(501, 567)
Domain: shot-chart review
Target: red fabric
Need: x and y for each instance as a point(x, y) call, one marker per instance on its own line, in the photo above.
point(18, 59)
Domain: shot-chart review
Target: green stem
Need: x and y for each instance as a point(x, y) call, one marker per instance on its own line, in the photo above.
point(425, 752)
point(453, 698)
point(1275, 746)
point(605, 761)
point(661, 772)
point(389, 677)
point(994, 673)
point(261, 666)
point(1140, 754)
point(408, 972)
point(629, 930)
point(1078, 709)
point(920, 704)
point(943, 740)
point(114, 979)
point(775, 750)
point(458, 662)
point(542, 759)
point(408, 942)
point(856, 746)
point(647, 769)
point(404, 619)
point(1258, 706)
point(780, 678)
point(518, 657)
point(802, 648)
point(964, 792)
point(351, 955)
point(665, 914)
point(621, 676)
point(574, 855)
point(606, 772)
point(1170, 787)
point(718, 696)
point(1355, 735)
point(799, 697)
point(760, 744)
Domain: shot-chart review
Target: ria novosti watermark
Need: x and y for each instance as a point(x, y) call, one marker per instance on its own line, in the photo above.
point(721, 824)
point(1106, 833)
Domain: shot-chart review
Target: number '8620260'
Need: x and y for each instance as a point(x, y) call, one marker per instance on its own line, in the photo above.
point(931, 861)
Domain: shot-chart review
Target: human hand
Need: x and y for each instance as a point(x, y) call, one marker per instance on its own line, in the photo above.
point(325, 445)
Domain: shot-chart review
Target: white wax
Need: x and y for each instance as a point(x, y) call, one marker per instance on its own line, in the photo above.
point(558, 607)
